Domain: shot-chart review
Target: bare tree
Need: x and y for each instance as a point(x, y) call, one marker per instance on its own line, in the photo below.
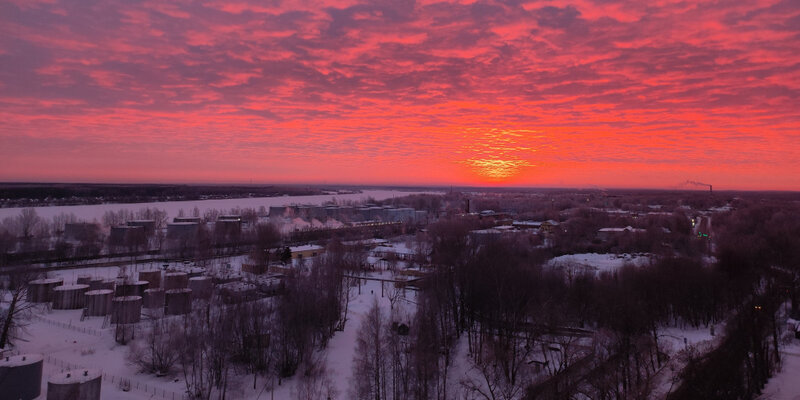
point(27, 222)
point(399, 356)
point(157, 351)
point(8, 243)
point(18, 305)
point(268, 237)
point(205, 353)
point(60, 220)
point(250, 336)
point(314, 381)
point(500, 370)
point(369, 361)
point(116, 218)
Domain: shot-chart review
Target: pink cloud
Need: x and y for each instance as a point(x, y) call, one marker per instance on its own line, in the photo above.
point(560, 92)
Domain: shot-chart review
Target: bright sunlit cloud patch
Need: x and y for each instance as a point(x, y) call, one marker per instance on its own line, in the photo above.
point(497, 169)
point(499, 154)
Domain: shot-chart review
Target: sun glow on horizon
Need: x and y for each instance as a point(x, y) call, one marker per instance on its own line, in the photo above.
point(499, 155)
point(497, 170)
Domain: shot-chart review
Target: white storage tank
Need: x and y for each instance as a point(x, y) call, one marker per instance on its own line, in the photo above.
point(126, 310)
point(41, 290)
point(21, 376)
point(77, 384)
point(98, 302)
point(69, 297)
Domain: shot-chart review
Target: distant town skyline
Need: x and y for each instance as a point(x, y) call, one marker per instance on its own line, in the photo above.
point(573, 93)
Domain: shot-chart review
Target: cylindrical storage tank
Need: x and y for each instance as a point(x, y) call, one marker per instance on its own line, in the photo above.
point(153, 277)
point(202, 287)
point(96, 284)
point(84, 280)
point(69, 297)
point(196, 271)
point(21, 376)
point(76, 384)
point(154, 298)
point(108, 284)
point(135, 288)
point(176, 280)
point(98, 302)
point(178, 301)
point(41, 290)
point(126, 310)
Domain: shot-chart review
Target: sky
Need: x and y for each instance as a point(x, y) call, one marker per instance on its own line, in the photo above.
point(571, 93)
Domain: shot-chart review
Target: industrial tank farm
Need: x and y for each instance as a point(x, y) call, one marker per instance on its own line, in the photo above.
point(98, 302)
point(100, 283)
point(126, 310)
point(21, 376)
point(69, 297)
point(84, 280)
point(176, 280)
point(81, 384)
point(154, 298)
point(153, 277)
point(178, 301)
point(41, 290)
point(134, 288)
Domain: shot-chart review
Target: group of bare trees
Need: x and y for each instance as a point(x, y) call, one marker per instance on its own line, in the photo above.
point(395, 361)
point(212, 348)
point(510, 310)
point(306, 322)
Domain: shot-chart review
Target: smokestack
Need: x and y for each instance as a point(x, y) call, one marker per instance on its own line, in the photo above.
point(710, 188)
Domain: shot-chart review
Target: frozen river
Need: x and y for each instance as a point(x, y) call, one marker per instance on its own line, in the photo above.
point(95, 211)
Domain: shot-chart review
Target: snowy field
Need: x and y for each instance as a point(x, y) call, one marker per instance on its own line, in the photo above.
point(598, 263)
point(785, 385)
point(681, 344)
point(95, 211)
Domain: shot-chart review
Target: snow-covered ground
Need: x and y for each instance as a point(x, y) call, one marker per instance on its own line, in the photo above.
point(57, 336)
point(125, 268)
point(598, 263)
point(96, 211)
point(681, 344)
point(338, 355)
point(785, 385)
point(67, 343)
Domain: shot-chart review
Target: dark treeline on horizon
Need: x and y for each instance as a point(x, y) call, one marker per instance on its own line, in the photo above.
point(45, 194)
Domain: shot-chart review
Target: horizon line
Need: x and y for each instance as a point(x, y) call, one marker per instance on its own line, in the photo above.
point(400, 185)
